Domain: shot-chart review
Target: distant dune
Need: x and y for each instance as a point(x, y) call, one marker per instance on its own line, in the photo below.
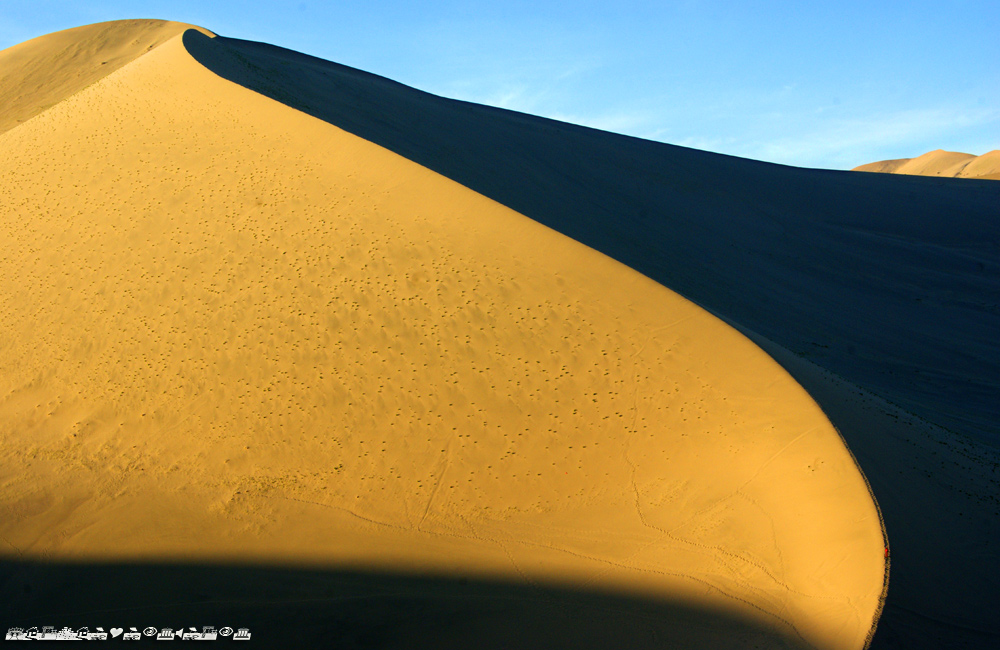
point(941, 163)
point(296, 345)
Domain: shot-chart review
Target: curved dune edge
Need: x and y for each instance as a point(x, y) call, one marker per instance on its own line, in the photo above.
point(248, 334)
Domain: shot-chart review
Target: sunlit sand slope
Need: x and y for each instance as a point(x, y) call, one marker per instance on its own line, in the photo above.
point(941, 163)
point(40, 73)
point(887, 280)
point(232, 330)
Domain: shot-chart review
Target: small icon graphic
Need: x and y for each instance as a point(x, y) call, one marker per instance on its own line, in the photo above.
point(208, 633)
point(16, 634)
point(226, 631)
point(133, 634)
point(117, 632)
point(242, 634)
point(166, 634)
point(149, 631)
point(67, 634)
point(84, 634)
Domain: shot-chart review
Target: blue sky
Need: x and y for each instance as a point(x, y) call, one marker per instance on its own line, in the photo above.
point(829, 85)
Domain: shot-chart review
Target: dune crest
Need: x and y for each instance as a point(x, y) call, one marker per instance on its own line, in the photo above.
point(40, 73)
point(236, 331)
point(941, 163)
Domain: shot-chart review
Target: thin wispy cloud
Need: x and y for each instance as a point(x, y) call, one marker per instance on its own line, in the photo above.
point(624, 122)
point(718, 145)
point(524, 98)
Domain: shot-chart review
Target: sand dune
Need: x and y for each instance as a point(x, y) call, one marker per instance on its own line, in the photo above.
point(984, 166)
point(877, 292)
point(233, 331)
point(861, 268)
point(941, 163)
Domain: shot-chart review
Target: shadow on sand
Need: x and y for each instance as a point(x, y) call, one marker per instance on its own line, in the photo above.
point(890, 282)
point(882, 279)
point(290, 607)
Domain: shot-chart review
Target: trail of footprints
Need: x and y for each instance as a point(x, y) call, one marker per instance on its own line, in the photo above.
point(179, 267)
point(183, 284)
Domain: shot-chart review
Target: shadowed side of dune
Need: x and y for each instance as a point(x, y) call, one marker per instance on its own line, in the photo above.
point(344, 608)
point(938, 498)
point(892, 282)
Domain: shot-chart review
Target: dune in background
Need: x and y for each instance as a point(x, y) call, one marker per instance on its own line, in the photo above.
point(941, 163)
point(235, 332)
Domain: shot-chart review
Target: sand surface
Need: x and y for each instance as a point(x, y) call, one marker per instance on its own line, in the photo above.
point(885, 287)
point(887, 280)
point(235, 332)
point(941, 163)
point(40, 73)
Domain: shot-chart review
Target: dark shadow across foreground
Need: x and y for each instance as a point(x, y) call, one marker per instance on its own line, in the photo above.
point(315, 608)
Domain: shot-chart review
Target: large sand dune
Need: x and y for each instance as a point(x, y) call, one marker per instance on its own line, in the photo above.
point(237, 333)
point(884, 287)
point(889, 281)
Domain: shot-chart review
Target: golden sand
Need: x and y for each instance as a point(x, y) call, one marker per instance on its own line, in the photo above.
point(234, 331)
point(941, 163)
